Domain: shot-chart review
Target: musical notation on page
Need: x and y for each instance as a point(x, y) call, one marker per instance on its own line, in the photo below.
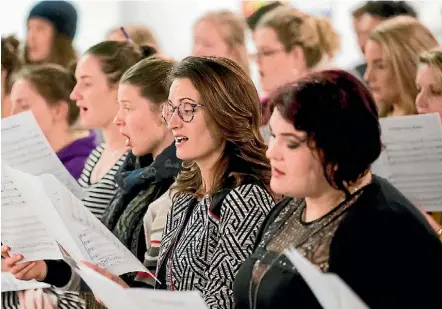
point(93, 240)
point(70, 223)
point(24, 147)
point(22, 229)
point(412, 159)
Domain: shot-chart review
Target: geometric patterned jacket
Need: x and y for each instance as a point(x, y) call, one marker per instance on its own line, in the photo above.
point(203, 250)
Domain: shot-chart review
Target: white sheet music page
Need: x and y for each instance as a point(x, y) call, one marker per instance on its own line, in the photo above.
point(10, 283)
point(24, 147)
point(21, 227)
point(116, 297)
point(329, 289)
point(412, 160)
point(95, 242)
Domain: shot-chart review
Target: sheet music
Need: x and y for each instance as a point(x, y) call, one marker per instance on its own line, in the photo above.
point(22, 229)
point(94, 241)
point(10, 283)
point(72, 225)
point(330, 290)
point(116, 297)
point(412, 160)
point(24, 147)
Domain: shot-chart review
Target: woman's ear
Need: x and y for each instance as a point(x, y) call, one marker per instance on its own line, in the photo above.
point(60, 112)
point(159, 116)
point(297, 58)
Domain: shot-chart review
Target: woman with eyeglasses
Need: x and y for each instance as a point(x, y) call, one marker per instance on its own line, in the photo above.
point(220, 198)
point(337, 214)
point(290, 44)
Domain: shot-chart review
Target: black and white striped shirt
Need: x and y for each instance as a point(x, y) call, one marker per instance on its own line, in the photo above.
point(99, 194)
point(65, 299)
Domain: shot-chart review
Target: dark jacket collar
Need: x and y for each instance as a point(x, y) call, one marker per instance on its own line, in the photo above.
point(137, 172)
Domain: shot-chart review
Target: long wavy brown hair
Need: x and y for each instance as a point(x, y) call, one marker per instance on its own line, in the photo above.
point(232, 105)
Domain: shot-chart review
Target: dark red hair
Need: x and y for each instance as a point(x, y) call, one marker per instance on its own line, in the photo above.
point(339, 115)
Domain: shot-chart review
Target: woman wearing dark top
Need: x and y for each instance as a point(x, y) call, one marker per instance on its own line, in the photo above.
point(325, 136)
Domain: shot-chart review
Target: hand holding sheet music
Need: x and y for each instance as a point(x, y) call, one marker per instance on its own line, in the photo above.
point(330, 290)
point(95, 242)
point(24, 147)
point(22, 229)
point(412, 160)
point(74, 227)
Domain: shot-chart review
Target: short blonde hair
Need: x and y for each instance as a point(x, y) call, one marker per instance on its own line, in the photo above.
point(315, 35)
point(403, 39)
point(233, 30)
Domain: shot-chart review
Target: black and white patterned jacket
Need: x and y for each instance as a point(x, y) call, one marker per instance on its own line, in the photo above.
point(210, 247)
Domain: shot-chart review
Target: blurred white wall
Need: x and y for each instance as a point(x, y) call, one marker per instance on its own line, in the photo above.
point(172, 20)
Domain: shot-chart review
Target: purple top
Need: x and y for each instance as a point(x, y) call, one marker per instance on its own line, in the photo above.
point(74, 155)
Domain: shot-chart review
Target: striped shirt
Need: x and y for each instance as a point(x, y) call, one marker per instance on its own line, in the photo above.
point(99, 194)
point(65, 299)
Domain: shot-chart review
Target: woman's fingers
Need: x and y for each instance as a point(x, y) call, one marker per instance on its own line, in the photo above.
point(13, 260)
point(21, 270)
point(5, 251)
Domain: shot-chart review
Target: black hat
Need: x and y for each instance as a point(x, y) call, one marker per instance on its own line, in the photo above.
point(61, 14)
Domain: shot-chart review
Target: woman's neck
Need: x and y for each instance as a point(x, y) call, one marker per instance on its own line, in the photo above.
point(113, 139)
point(397, 111)
point(60, 137)
point(207, 169)
point(329, 198)
point(163, 145)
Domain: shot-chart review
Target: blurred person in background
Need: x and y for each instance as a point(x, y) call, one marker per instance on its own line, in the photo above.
point(254, 18)
point(372, 14)
point(10, 63)
point(392, 57)
point(291, 44)
point(429, 82)
point(51, 28)
point(44, 90)
point(139, 34)
point(429, 96)
point(356, 20)
point(222, 34)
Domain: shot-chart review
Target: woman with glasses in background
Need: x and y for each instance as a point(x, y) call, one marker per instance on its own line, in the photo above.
point(290, 44)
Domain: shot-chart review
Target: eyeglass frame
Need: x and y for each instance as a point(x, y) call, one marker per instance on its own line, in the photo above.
point(267, 53)
point(177, 108)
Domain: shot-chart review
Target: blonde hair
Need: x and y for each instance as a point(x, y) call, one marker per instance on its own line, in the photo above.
point(433, 58)
point(233, 30)
point(315, 35)
point(140, 34)
point(402, 39)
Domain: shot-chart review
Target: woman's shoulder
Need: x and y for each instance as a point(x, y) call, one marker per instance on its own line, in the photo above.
point(382, 212)
point(251, 188)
